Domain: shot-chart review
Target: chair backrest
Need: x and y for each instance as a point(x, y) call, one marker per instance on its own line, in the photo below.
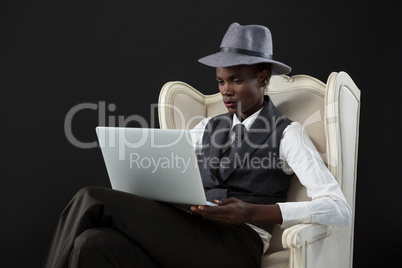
point(342, 114)
point(301, 98)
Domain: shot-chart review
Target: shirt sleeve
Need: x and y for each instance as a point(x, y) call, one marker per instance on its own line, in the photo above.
point(328, 205)
point(197, 133)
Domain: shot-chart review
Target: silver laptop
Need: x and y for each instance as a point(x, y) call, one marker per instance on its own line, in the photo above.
point(153, 163)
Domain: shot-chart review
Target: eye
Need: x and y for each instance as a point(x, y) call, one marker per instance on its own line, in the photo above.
point(220, 82)
point(237, 81)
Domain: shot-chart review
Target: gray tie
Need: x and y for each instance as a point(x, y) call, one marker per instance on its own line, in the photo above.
point(229, 156)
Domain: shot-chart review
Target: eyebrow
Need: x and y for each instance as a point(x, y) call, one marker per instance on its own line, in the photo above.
point(230, 77)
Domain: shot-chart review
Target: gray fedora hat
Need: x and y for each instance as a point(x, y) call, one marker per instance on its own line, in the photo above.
point(245, 45)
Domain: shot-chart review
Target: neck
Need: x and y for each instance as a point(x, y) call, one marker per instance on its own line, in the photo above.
point(244, 115)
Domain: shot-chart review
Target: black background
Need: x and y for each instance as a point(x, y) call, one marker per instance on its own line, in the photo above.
point(55, 55)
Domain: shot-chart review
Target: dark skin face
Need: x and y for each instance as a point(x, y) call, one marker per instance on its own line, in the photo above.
point(242, 89)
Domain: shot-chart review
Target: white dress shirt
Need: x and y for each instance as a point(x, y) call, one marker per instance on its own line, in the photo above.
point(298, 155)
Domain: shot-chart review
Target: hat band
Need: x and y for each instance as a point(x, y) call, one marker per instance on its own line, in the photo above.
point(245, 52)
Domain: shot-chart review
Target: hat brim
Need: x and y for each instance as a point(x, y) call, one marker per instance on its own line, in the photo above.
point(227, 59)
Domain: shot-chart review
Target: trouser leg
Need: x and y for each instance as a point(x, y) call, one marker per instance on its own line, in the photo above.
point(166, 234)
point(106, 248)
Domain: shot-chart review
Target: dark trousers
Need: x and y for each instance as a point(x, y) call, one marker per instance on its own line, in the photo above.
point(101, 227)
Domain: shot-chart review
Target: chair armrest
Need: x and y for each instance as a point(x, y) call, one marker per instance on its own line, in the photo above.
point(301, 234)
point(298, 237)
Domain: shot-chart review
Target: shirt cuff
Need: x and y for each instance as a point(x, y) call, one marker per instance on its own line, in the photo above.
point(294, 213)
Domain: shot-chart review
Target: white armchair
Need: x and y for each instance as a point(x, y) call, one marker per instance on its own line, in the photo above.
point(330, 114)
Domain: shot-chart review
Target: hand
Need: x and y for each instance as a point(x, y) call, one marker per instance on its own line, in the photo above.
point(231, 211)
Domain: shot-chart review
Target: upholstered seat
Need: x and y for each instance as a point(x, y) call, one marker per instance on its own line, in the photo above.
point(330, 114)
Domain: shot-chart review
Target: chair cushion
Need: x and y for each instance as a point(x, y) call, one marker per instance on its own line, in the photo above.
point(279, 259)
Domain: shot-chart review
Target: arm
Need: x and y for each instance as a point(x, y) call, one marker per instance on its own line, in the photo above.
point(328, 205)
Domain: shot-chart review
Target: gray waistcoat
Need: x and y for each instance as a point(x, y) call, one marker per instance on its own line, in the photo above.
point(256, 176)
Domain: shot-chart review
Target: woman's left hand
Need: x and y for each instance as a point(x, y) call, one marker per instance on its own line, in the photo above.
point(231, 211)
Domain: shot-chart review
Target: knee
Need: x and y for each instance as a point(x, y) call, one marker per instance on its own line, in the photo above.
point(89, 249)
point(88, 239)
point(85, 198)
point(88, 191)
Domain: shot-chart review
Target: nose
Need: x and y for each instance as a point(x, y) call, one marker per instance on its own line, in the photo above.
point(226, 89)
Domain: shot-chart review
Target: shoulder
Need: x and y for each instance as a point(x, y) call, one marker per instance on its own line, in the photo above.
point(293, 130)
point(201, 125)
point(296, 142)
point(206, 125)
point(197, 132)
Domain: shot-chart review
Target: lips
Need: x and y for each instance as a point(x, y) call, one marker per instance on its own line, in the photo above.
point(230, 104)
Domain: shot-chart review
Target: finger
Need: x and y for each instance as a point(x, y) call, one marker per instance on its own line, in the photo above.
point(199, 209)
point(193, 208)
point(215, 212)
point(207, 211)
point(211, 215)
point(218, 202)
point(228, 201)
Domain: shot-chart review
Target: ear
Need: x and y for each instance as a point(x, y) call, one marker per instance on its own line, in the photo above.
point(265, 76)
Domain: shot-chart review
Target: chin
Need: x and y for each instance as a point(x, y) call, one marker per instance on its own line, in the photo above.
point(232, 111)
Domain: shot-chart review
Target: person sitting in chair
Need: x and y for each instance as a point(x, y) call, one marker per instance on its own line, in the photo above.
point(257, 150)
